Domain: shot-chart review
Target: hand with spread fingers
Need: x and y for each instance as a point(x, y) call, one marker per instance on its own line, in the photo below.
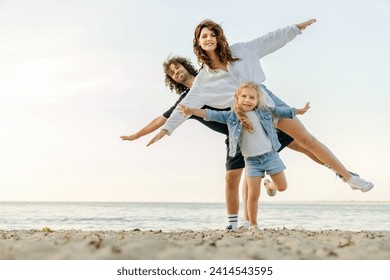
point(160, 135)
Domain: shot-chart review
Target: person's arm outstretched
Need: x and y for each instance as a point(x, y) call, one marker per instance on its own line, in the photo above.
point(149, 128)
point(206, 114)
point(159, 135)
point(287, 112)
point(176, 119)
point(275, 40)
point(187, 111)
point(303, 25)
point(303, 110)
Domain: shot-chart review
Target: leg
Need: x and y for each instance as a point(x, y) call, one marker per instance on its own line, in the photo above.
point(234, 166)
point(253, 198)
point(287, 141)
point(298, 148)
point(233, 178)
point(296, 129)
point(278, 182)
point(245, 199)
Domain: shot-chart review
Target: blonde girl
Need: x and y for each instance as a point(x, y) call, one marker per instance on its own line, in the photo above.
point(251, 128)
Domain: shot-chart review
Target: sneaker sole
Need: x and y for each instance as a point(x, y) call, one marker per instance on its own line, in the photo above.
point(368, 189)
point(364, 190)
point(272, 193)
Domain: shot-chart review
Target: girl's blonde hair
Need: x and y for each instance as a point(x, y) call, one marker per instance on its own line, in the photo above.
point(246, 123)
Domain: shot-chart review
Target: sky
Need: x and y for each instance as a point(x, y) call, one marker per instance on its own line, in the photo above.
point(76, 75)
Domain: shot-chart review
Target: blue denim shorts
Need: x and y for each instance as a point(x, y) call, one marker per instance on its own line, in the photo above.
point(269, 163)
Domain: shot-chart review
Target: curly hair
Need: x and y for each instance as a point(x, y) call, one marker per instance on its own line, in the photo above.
point(241, 114)
point(175, 60)
point(223, 51)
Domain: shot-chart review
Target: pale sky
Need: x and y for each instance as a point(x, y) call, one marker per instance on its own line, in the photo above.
point(76, 75)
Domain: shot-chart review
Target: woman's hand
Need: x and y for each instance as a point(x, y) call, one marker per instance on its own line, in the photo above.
point(160, 135)
point(305, 24)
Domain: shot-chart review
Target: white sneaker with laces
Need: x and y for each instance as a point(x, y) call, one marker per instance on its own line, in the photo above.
point(357, 183)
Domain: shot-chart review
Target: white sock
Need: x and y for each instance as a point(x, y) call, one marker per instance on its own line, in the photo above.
point(233, 220)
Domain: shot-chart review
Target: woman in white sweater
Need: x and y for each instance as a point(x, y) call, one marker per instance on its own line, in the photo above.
point(225, 67)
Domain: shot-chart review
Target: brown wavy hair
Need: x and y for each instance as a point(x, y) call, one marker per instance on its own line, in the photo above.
point(223, 51)
point(241, 114)
point(175, 60)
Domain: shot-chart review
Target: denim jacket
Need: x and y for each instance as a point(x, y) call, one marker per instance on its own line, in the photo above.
point(235, 128)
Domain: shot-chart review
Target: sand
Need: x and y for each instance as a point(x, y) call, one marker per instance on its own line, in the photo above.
point(269, 244)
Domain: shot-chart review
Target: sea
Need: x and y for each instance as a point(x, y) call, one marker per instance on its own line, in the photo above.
point(94, 216)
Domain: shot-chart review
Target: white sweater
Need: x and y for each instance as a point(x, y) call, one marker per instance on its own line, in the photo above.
point(216, 88)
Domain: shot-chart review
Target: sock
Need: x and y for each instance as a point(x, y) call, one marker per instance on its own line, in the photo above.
point(233, 220)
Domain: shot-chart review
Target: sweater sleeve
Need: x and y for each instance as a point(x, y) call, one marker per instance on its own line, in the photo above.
point(193, 100)
point(272, 41)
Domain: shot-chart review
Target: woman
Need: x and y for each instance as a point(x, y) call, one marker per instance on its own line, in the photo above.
point(224, 67)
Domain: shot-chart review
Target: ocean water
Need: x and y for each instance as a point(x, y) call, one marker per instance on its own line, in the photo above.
point(349, 216)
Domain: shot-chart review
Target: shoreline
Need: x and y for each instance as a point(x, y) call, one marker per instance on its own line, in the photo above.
point(268, 244)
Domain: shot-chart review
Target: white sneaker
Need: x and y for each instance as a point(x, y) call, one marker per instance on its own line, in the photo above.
point(245, 224)
point(357, 183)
point(254, 229)
point(269, 191)
point(338, 174)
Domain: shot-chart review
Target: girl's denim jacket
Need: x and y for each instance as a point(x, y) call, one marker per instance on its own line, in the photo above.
point(235, 128)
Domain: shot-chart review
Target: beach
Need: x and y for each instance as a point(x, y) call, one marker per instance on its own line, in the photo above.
point(268, 244)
